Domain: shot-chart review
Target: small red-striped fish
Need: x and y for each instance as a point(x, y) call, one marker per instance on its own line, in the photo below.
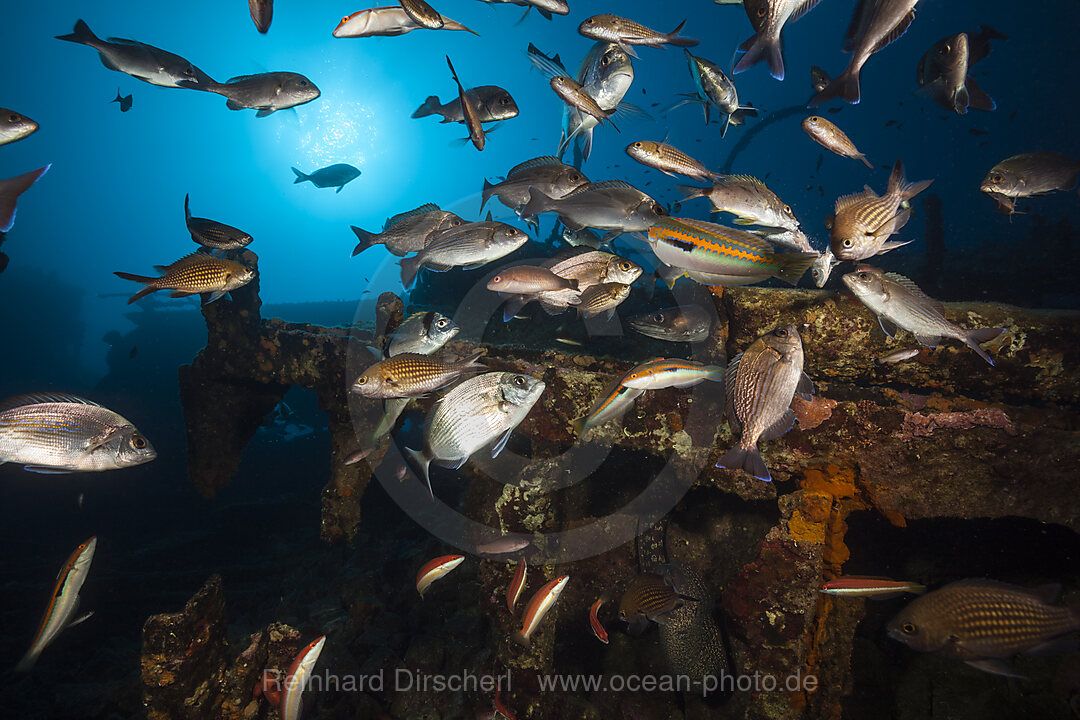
point(517, 584)
point(594, 622)
point(538, 607)
point(296, 680)
point(63, 603)
point(612, 403)
point(667, 372)
point(730, 256)
point(871, 587)
point(435, 569)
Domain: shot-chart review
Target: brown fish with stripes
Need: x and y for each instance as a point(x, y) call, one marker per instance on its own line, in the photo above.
point(761, 382)
point(194, 274)
point(863, 222)
point(411, 375)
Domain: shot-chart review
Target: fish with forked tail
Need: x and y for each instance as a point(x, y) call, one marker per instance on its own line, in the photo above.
point(338, 176)
point(626, 32)
point(768, 18)
point(471, 245)
point(863, 222)
point(194, 274)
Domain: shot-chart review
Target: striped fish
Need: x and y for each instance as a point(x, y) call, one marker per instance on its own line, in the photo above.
point(832, 138)
point(194, 274)
point(595, 625)
point(297, 679)
point(435, 569)
point(612, 403)
point(603, 299)
point(725, 255)
point(214, 234)
point(899, 303)
point(671, 372)
point(411, 375)
point(63, 603)
point(870, 587)
point(863, 222)
point(408, 231)
point(539, 606)
point(615, 29)
point(55, 433)
point(761, 382)
point(517, 584)
point(649, 597)
point(748, 198)
point(669, 160)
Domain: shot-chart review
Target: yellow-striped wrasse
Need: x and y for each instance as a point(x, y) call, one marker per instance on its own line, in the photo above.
point(723, 253)
point(671, 372)
point(194, 274)
point(63, 603)
point(411, 375)
point(435, 569)
point(615, 400)
point(870, 587)
point(863, 222)
point(297, 679)
point(544, 599)
point(517, 584)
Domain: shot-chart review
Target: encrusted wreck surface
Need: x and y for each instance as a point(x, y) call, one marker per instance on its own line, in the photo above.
point(944, 435)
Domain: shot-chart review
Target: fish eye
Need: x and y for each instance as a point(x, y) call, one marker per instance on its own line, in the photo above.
point(574, 177)
point(637, 144)
point(848, 243)
point(497, 279)
point(659, 210)
point(761, 11)
point(864, 275)
point(605, 61)
point(996, 178)
point(658, 317)
point(344, 20)
point(780, 332)
point(787, 209)
point(624, 265)
point(442, 323)
point(519, 380)
point(908, 628)
point(13, 117)
point(947, 48)
point(138, 442)
point(303, 83)
point(362, 380)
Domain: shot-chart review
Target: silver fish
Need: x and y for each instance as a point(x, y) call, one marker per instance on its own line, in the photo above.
point(748, 198)
point(470, 246)
point(875, 25)
point(546, 8)
point(55, 433)
point(338, 175)
point(1029, 174)
point(768, 18)
point(475, 413)
point(14, 126)
point(422, 332)
point(214, 234)
point(602, 299)
point(626, 32)
point(492, 104)
point(10, 190)
point(943, 75)
point(823, 267)
point(262, 14)
point(688, 323)
point(546, 173)
point(613, 205)
point(669, 160)
point(583, 237)
point(898, 356)
point(715, 89)
point(266, 92)
point(408, 231)
point(587, 269)
point(761, 382)
point(386, 22)
point(899, 303)
point(141, 61)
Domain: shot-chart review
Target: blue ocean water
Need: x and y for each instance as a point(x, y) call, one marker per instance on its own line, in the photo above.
point(113, 197)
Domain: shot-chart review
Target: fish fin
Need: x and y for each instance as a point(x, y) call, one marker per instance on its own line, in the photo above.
point(81, 34)
point(39, 398)
point(233, 105)
point(30, 658)
point(264, 112)
point(367, 239)
point(43, 470)
point(891, 245)
point(1063, 645)
point(609, 236)
point(11, 189)
point(974, 338)
point(845, 201)
point(538, 202)
point(486, 193)
point(792, 266)
point(724, 127)
point(409, 267)
point(638, 625)
point(300, 177)
point(893, 225)
point(995, 666)
point(423, 464)
point(748, 459)
point(216, 295)
point(845, 85)
point(691, 191)
point(629, 50)
point(895, 34)
point(867, 163)
point(80, 619)
point(805, 388)
point(930, 340)
point(977, 97)
point(673, 38)
point(550, 66)
point(780, 427)
point(887, 326)
point(586, 143)
point(500, 443)
point(758, 48)
point(187, 206)
point(513, 306)
point(431, 106)
point(626, 109)
point(802, 9)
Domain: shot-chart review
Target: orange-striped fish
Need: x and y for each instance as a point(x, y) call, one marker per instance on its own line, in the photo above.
point(671, 372)
point(863, 222)
point(435, 569)
point(194, 274)
point(63, 603)
point(517, 584)
point(612, 403)
point(594, 621)
point(723, 255)
point(879, 588)
point(544, 599)
point(297, 678)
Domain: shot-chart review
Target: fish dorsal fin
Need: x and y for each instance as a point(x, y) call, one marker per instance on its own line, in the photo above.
point(748, 179)
point(846, 201)
point(896, 32)
point(239, 78)
point(1047, 593)
point(805, 7)
point(608, 184)
point(914, 290)
point(425, 208)
point(1043, 593)
point(535, 162)
point(40, 398)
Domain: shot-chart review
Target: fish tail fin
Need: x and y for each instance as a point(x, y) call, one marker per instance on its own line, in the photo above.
point(300, 177)
point(900, 187)
point(793, 266)
point(520, 639)
point(690, 191)
point(845, 85)
point(117, 98)
point(423, 464)
point(367, 239)
point(761, 47)
point(485, 194)
point(674, 39)
point(538, 202)
point(917, 589)
point(977, 97)
point(862, 156)
point(187, 206)
point(9, 195)
point(472, 362)
point(430, 107)
point(724, 127)
point(409, 267)
point(81, 34)
point(748, 459)
point(28, 661)
point(974, 338)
